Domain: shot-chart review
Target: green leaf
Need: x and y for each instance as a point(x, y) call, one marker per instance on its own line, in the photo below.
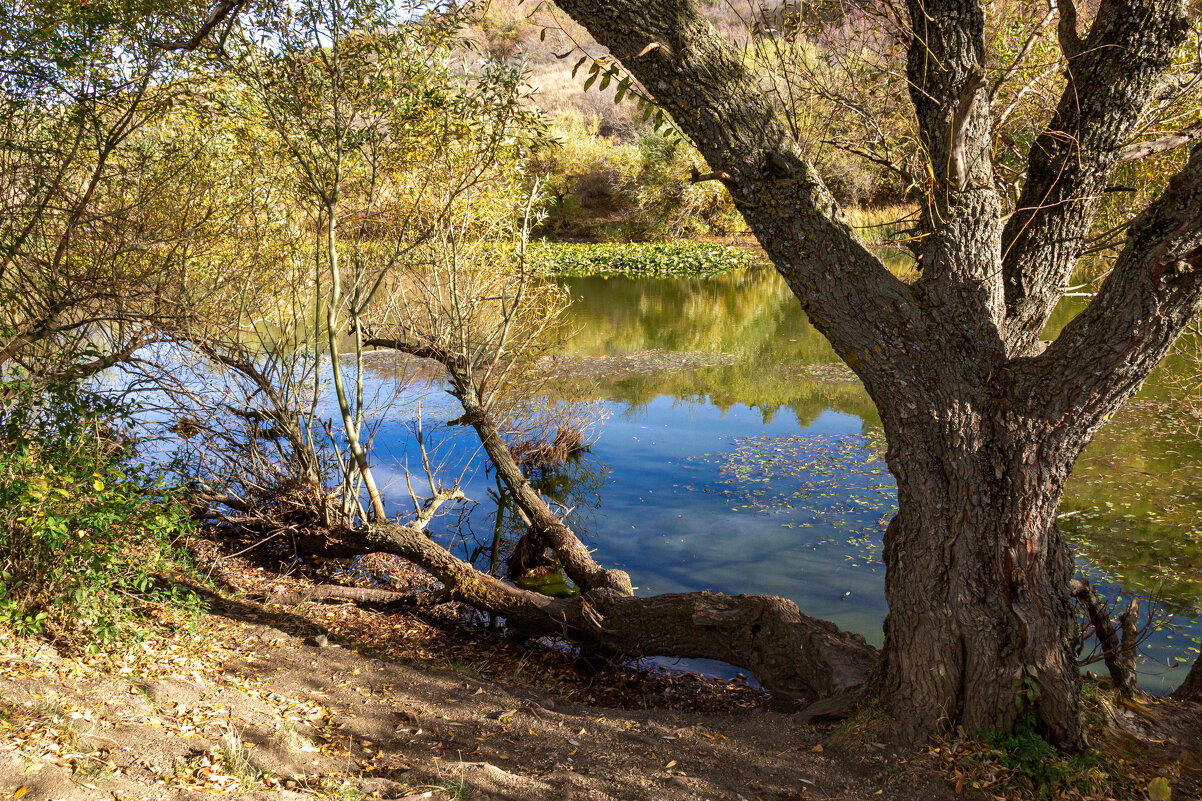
point(1159, 790)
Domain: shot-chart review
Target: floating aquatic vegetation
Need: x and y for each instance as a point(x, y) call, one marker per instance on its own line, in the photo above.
point(627, 365)
point(682, 258)
point(829, 372)
point(835, 481)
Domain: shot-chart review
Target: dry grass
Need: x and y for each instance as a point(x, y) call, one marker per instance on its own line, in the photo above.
point(883, 225)
point(550, 437)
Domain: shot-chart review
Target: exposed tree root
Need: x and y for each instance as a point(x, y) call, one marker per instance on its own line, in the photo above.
point(1118, 650)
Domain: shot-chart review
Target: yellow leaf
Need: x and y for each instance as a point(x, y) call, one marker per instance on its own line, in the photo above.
point(20, 791)
point(1158, 789)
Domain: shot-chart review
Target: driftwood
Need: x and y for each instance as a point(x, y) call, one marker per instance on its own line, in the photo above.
point(328, 592)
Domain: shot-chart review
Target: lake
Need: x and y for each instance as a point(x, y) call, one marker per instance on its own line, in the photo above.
point(737, 455)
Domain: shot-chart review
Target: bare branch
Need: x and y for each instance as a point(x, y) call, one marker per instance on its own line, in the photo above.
point(1023, 52)
point(1151, 295)
point(1163, 144)
point(1118, 651)
point(1111, 82)
point(697, 176)
point(220, 11)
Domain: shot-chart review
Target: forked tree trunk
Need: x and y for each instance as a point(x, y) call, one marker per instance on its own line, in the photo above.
point(983, 424)
point(977, 580)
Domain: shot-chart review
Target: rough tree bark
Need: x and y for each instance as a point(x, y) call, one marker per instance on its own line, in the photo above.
point(982, 430)
point(1191, 688)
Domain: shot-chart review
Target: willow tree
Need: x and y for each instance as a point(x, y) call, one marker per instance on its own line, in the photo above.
point(983, 421)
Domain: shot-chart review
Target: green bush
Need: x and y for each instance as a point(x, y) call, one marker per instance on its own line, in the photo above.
point(636, 188)
point(1036, 767)
point(83, 533)
point(646, 259)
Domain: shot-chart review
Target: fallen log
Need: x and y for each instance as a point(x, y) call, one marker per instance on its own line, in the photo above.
point(337, 592)
point(794, 656)
point(797, 658)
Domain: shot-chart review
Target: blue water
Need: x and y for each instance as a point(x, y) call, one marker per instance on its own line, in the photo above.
point(746, 477)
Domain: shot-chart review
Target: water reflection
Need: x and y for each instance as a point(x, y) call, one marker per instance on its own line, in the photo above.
point(749, 315)
point(737, 459)
point(677, 515)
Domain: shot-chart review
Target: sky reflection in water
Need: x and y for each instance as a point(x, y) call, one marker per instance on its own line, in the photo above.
point(761, 475)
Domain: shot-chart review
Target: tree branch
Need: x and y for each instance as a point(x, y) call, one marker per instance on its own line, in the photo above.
point(1117, 651)
point(1151, 295)
point(1111, 80)
point(712, 96)
point(578, 563)
point(220, 11)
point(1066, 30)
point(359, 595)
point(1163, 144)
point(1023, 52)
point(960, 287)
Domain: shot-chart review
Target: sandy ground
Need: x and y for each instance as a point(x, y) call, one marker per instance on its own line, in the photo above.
point(338, 701)
point(277, 715)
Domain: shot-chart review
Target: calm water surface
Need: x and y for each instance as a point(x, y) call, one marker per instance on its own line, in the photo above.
point(763, 474)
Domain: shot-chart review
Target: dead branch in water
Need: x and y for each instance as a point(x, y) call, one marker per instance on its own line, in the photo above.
point(548, 437)
point(1119, 644)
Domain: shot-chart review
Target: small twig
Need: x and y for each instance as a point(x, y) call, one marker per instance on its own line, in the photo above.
point(696, 176)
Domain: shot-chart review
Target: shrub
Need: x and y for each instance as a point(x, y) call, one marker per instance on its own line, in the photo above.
point(1033, 767)
point(602, 187)
point(589, 177)
point(82, 534)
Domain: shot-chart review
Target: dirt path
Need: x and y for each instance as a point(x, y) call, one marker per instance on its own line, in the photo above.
point(269, 714)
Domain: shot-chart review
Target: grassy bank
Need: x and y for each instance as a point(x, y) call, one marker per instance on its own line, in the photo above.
point(86, 534)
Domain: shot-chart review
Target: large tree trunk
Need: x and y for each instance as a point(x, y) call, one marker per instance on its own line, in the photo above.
point(977, 579)
point(983, 429)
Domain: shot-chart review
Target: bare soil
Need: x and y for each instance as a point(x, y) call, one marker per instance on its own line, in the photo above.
point(332, 722)
point(336, 701)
